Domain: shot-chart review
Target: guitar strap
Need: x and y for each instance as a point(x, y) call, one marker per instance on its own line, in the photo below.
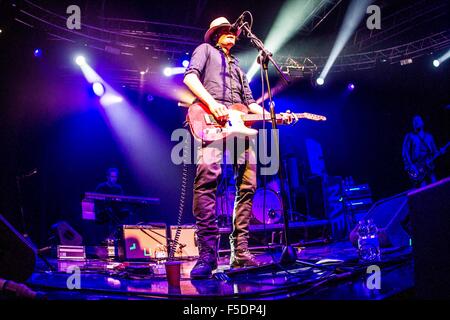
point(241, 78)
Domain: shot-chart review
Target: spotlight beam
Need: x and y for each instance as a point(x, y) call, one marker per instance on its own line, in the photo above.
point(441, 59)
point(353, 16)
point(293, 15)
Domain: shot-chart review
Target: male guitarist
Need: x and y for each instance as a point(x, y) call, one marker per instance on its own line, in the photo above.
point(216, 79)
point(418, 147)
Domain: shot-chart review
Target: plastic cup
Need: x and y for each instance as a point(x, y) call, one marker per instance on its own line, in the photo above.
point(173, 273)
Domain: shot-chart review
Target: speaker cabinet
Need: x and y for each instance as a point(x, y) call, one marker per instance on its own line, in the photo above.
point(323, 196)
point(430, 224)
point(17, 254)
point(67, 235)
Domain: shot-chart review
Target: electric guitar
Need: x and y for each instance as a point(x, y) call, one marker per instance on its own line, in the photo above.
point(205, 127)
point(424, 166)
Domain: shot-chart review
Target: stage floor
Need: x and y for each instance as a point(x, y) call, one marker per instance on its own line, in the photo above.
point(339, 277)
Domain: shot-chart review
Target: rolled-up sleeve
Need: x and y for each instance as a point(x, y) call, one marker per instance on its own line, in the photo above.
point(248, 96)
point(198, 61)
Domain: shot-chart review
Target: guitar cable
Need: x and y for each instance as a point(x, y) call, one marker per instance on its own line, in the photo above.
point(184, 178)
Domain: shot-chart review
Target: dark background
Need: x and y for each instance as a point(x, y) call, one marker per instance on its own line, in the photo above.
point(50, 121)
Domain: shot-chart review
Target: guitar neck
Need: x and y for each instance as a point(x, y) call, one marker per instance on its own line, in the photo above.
point(440, 152)
point(260, 117)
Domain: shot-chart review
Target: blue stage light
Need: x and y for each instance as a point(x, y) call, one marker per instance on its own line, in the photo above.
point(98, 88)
point(37, 52)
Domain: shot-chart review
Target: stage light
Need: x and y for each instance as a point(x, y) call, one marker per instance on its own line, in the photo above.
point(143, 72)
point(185, 63)
point(37, 53)
point(80, 60)
point(167, 72)
point(351, 87)
point(437, 62)
point(173, 71)
point(98, 88)
point(353, 16)
point(320, 81)
point(405, 62)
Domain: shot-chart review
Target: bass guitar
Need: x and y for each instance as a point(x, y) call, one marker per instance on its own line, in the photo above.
point(422, 169)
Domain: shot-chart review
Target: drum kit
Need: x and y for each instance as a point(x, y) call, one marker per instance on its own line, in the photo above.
point(267, 203)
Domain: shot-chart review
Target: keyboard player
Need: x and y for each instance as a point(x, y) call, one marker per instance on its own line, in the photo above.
point(110, 186)
point(109, 213)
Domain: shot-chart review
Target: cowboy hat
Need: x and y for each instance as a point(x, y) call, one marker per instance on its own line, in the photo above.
point(216, 24)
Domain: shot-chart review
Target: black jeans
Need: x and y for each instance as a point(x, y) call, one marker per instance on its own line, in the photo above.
point(205, 186)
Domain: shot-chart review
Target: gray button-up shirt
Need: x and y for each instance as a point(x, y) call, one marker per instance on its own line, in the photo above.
point(225, 81)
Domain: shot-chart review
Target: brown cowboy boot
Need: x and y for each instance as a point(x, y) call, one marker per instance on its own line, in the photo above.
point(240, 256)
point(207, 261)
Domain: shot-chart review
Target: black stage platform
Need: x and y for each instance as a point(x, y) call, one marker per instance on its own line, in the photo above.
point(338, 276)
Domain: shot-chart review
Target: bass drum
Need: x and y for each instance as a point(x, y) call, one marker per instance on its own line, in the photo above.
point(272, 211)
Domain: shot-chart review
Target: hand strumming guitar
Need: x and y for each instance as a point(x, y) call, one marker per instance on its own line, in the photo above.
point(219, 111)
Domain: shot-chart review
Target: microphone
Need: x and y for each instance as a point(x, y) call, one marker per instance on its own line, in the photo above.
point(28, 174)
point(237, 25)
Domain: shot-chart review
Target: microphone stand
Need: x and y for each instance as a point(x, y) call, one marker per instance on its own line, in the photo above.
point(39, 253)
point(20, 196)
point(289, 254)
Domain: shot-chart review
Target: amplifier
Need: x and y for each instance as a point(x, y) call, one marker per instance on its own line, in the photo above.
point(357, 191)
point(187, 247)
point(143, 242)
point(359, 204)
point(71, 252)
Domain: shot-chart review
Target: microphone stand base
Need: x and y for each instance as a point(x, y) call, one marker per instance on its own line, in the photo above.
point(288, 255)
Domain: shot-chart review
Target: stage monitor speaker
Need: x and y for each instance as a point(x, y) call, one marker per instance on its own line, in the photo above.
point(17, 254)
point(430, 221)
point(67, 235)
point(390, 216)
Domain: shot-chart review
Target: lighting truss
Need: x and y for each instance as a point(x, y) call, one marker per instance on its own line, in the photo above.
point(369, 60)
point(318, 15)
point(401, 21)
point(119, 36)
